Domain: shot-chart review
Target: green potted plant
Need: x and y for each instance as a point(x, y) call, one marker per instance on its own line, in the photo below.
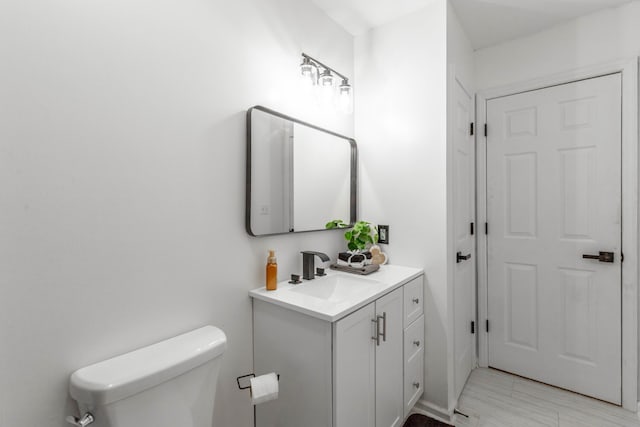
point(359, 236)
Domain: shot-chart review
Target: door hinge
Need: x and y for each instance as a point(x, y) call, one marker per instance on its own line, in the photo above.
point(486, 228)
point(487, 325)
point(471, 129)
point(621, 257)
point(486, 133)
point(473, 327)
point(472, 230)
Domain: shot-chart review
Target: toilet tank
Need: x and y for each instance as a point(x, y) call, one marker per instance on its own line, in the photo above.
point(168, 384)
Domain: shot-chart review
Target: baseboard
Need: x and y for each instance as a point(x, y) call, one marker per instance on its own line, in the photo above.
point(434, 411)
point(638, 411)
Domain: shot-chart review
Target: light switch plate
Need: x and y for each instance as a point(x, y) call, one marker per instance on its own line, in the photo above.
point(383, 234)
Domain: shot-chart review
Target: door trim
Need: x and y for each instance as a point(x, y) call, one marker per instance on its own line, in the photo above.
point(629, 73)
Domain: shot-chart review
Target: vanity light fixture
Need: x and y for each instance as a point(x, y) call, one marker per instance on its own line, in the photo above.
point(310, 71)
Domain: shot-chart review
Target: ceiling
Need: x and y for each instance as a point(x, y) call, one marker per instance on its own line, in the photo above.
point(487, 22)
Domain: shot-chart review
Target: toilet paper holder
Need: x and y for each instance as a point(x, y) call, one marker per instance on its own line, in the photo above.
point(252, 375)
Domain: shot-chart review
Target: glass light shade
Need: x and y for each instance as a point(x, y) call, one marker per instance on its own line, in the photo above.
point(345, 97)
point(326, 78)
point(308, 72)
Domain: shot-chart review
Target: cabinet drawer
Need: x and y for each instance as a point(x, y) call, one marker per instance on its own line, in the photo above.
point(413, 300)
point(413, 380)
point(414, 338)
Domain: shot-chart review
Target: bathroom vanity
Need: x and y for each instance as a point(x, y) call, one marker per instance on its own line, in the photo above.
point(349, 349)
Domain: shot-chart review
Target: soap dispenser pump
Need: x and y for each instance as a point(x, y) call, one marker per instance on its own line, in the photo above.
point(272, 271)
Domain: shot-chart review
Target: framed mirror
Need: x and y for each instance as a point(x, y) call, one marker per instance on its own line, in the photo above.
point(299, 176)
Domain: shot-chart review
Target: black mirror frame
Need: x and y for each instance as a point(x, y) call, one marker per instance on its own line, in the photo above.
point(353, 173)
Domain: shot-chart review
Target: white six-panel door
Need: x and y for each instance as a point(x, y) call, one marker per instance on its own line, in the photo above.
point(554, 195)
point(464, 216)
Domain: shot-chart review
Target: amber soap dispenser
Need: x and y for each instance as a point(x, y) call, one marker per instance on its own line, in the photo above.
point(272, 271)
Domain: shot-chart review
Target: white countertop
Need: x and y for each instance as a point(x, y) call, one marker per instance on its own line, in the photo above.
point(369, 288)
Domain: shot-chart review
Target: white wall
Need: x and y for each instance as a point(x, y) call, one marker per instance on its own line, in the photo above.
point(122, 154)
point(460, 59)
point(403, 71)
point(400, 101)
point(598, 38)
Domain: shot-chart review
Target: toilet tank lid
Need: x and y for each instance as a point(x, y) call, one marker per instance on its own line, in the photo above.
point(123, 376)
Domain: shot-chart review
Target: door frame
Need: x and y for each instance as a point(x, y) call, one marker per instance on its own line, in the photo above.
point(629, 73)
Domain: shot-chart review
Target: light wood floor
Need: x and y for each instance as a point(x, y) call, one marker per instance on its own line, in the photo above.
point(495, 399)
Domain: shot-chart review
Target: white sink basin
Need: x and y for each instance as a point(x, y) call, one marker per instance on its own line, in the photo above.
point(334, 288)
point(337, 294)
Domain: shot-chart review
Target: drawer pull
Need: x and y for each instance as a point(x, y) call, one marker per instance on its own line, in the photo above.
point(416, 300)
point(416, 385)
point(416, 343)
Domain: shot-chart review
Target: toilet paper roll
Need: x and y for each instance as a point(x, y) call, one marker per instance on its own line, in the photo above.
point(264, 388)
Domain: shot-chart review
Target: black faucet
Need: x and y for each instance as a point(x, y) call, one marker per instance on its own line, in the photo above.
point(308, 265)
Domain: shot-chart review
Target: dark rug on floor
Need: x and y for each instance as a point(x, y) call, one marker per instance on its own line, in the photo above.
point(417, 420)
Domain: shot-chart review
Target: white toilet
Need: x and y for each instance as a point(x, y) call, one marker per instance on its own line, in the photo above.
point(168, 384)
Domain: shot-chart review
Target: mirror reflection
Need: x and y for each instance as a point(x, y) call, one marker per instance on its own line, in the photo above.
point(299, 176)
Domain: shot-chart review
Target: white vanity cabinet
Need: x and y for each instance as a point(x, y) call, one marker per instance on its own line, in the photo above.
point(362, 369)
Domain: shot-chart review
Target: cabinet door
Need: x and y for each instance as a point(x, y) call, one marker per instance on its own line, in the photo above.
point(389, 361)
point(354, 369)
